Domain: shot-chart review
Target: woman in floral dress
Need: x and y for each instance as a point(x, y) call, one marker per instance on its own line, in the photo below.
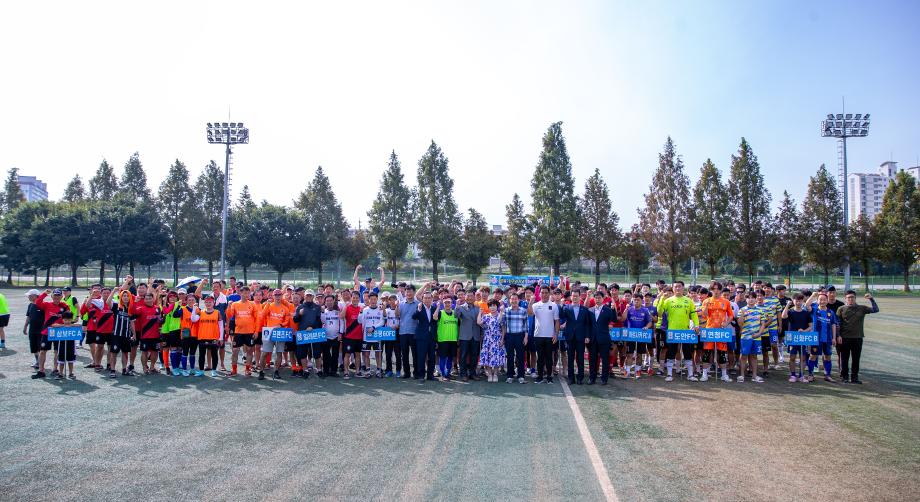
point(492, 355)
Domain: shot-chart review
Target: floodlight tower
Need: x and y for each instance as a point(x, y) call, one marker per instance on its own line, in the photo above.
point(843, 126)
point(224, 133)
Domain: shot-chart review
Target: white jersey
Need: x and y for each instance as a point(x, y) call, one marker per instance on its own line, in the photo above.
point(332, 322)
point(371, 318)
point(392, 320)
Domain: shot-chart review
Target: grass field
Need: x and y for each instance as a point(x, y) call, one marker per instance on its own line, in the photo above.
point(217, 439)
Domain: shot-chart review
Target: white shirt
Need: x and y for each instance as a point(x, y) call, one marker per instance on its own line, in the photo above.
point(371, 318)
point(332, 322)
point(545, 314)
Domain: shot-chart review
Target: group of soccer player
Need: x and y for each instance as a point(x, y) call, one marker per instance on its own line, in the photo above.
point(450, 331)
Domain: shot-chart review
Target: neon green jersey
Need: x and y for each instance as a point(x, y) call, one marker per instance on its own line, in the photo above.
point(680, 311)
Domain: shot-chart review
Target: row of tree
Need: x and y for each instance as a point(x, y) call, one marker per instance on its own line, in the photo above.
point(119, 221)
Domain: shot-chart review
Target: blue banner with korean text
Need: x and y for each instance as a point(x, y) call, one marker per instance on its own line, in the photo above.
point(308, 336)
point(282, 335)
point(65, 333)
point(520, 280)
point(806, 338)
point(637, 335)
point(381, 334)
point(681, 336)
point(720, 335)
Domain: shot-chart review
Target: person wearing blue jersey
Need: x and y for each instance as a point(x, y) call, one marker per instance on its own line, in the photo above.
point(825, 322)
point(637, 317)
point(753, 323)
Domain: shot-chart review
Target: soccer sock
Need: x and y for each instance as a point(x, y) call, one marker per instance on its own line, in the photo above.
point(706, 372)
point(233, 366)
point(165, 357)
point(175, 359)
point(184, 362)
point(811, 366)
point(724, 372)
point(827, 368)
point(670, 364)
point(191, 362)
point(689, 365)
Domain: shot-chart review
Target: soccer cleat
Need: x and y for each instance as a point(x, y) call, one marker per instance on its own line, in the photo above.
point(757, 379)
point(726, 378)
point(740, 379)
point(693, 378)
point(705, 377)
point(793, 379)
point(669, 378)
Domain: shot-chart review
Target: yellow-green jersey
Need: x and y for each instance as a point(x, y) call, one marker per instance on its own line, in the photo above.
point(680, 310)
point(774, 311)
point(751, 320)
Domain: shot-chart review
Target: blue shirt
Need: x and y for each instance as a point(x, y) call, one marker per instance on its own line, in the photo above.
point(515, 320)
point(823, 322)
point(407, 325)
point(637, 318)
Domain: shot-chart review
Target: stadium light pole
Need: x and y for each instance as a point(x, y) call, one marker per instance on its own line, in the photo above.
point(842, 126)
point(232, 133)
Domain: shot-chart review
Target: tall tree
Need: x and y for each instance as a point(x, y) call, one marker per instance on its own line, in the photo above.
point(103, 185)
point(786, 252)
point(357, 249)
point(599, 232)
point(282, 232)
point(635, 251)
point(134, 179)
point(863, 245)
point(16, 249)
point(74, 192)
point(708, 218)
point(899, 223)
point(69, 224)
point(516, 243)
point(437, 220)
point(325, 223)
point(388, 227)
point(477, 245)
point(176, 210)
point(749, 210)
point(822, 218)
point(664, 220)
point(555, 214)
point(209, 199)
point(242, 236)
point(116, 227)
point(12, 192)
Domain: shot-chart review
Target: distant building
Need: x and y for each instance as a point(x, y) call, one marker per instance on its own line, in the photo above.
point(33, 188)
point(914, 171)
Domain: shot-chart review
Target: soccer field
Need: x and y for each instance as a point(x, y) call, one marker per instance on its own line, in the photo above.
point(161, 437)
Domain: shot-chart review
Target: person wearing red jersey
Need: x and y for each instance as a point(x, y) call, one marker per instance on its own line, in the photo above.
point(99, 323)
point(147, 319)
point(54, 314)
point(353, 337)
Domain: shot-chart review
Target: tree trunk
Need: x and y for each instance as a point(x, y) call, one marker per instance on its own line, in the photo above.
point(245, 273)
point(102, 272)
point(319, 275)
point(210, 272)
point(712, 270)
point(73, 274)
point(393, 265)
point(175, 269)
point(673, 272)
point(474, 280)
point(131, 268)
point(434, 270)
point(827, 275)
point(279, 279)
point(118, 269)
point(9, 276)
point(906, 277)
point(597, 272)
point(47, 277)
point(556, 267)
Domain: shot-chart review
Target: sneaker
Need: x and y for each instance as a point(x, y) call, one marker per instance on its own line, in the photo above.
point(757, 379)
point(34, 365)
point(378, 374)
point(261, 375)
point(359, 374)
point(347, 376)
point(669, 378)
point(59, 376)
point(185, 373)
point(793, 379)
point(37, 375)
point(389, 374)
point(199, 373)
point(213, 373)
point(176, 372)
point(693, 378)
point(856, 381)
point(705, 377)
point(509, 380)
point(549, 380)
point(828, 378)
point(726, 378)
point(277, 375)
point(112, 374)
point(521, 380)
point(305, 374)
point(72, 376)
point(740, 378)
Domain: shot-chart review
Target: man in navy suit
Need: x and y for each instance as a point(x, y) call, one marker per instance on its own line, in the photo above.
point(426, 336)
point(599, 346)
point(578, 327)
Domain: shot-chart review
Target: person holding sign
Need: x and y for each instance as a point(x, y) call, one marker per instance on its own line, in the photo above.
point(274, 315)
point(850, 337)
point(371, 318)
point(678, 311)
point(796, 319)
point(308, 315)
point(637, 317)
point(718, 313)
point(825, 322)
point(66, 350)
point(54, 313)
point(753, 324)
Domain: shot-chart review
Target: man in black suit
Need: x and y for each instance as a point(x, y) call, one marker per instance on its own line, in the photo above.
point(426, 336)
point(578, 326)
point(599, 346)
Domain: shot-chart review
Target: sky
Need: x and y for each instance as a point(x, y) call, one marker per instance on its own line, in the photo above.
point(342, 84)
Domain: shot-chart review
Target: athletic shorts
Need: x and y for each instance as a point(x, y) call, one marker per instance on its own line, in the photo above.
point(797, 349)
point(320, 347)
point(303, 351)
point(351, 346)
point(370, 346)
point(774, 336)
point(4, 320)
point(750, 347)
point(661, 338)
point(257, 339)
point(118, 344)
point(641, 347)
point(135, 342)
point(91, 337)
point(242, 340)
point(44, 344)
point(66, 351)
point(720, 346)
point(269, 346)
point(35, 342)
point(148, 344)
point(103, 338)
point(290, 346)
point(174, 338)
point(823, 348)
point(765, 344)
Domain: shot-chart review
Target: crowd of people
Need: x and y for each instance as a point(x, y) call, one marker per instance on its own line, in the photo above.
point(450, 331)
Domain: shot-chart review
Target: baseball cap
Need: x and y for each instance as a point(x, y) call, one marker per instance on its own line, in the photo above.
point(182, 291)
point(57, 292)
point(309, 292)
point(277, 292)
point(33, 292)
point(66, 288)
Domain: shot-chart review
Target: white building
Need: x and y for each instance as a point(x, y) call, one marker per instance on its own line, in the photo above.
point(33, 188)
point(914, 171)
point(867, 190)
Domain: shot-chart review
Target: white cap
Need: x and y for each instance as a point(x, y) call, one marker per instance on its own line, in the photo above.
point(309, 292)
point(33, 292)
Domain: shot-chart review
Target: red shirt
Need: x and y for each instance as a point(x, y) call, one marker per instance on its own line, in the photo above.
point(54, 312)
point(353, 330)
point(100, 320)
point(620, 308)
point(147, 320)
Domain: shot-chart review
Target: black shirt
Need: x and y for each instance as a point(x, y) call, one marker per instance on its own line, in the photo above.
point(36, 319)
point(798, 320)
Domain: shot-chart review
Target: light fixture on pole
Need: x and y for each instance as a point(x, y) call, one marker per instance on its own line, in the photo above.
point(843, 126)
point(232, 133)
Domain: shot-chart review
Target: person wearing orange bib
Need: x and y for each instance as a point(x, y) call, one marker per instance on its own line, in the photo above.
point(244, 317)
point(718, 313)
point(210, 334)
